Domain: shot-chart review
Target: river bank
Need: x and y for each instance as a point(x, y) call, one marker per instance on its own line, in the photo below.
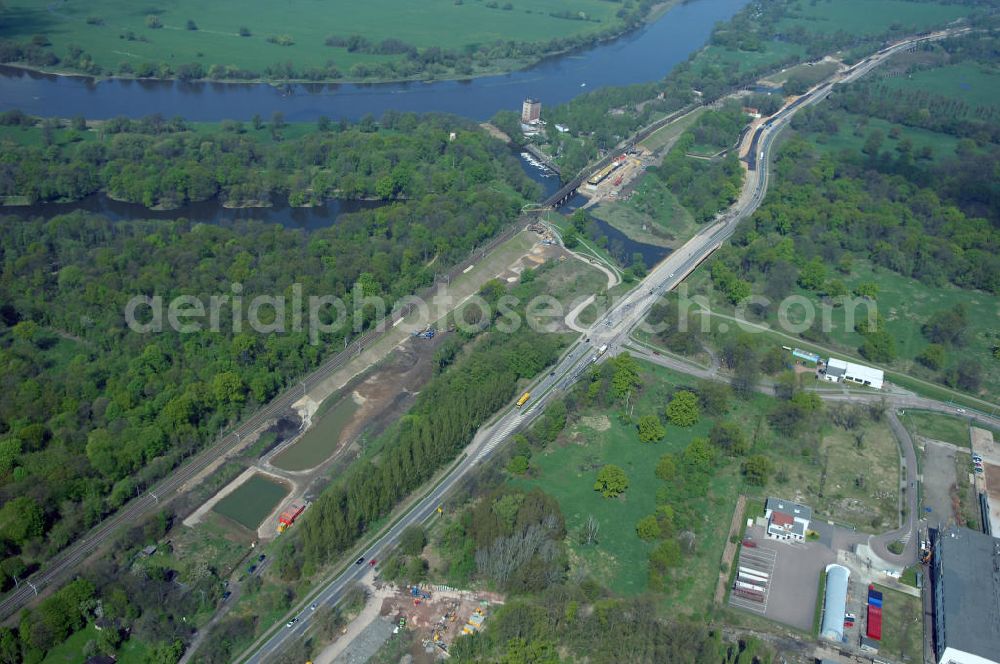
point(652, 50)
point(498, 67)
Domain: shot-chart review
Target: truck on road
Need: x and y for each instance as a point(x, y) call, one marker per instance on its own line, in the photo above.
point(524, 399)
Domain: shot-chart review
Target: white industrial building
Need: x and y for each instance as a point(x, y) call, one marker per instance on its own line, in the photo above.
point(836, 371)
point(835, 602)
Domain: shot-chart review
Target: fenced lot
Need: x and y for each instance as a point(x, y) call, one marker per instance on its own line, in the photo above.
point(793, 570)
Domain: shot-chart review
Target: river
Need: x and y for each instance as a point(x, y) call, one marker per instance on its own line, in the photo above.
point(641, 56)
point(645, 55)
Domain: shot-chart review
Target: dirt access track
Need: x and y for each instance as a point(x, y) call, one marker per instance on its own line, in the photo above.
point(384, 379)
point(446, 297)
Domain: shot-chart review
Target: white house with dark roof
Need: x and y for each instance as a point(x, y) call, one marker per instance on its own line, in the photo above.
point(786, 520)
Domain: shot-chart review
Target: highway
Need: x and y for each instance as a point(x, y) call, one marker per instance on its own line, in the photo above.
point(612, 329)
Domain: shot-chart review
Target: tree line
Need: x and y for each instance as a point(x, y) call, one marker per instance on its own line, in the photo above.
point(166, 163)
point(410, 61)
point(93, 412)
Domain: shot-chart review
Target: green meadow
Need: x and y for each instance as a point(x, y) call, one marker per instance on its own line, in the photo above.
point(567, 470)
point(970, 82)
point(869, 17)
point(116, 31)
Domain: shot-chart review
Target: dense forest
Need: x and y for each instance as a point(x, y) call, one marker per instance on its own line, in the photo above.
point(91, 410)
point(473, 384)
point(477, 374)
point(165, 163)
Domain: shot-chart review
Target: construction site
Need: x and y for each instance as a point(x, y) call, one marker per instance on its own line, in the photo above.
point(418, 623)
point(612, 182)
point(437, 614)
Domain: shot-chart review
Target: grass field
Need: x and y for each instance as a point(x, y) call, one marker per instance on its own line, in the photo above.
point(773, 53)
point(619, 560)
point(851, 136)
point(970, 82)
point(666, 135)
point(954, 430)
point(902, 626)
point(319, 442)
point(652, 215)
point(809, 71)
point(905, 304)
point(965, 492)
point(252, 501)
point(102, 27)
point(869, 17)
point(842, 481)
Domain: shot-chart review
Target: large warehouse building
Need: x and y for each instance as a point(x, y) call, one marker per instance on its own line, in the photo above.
point(837, 371)
point(966, 580)
point(835, 603)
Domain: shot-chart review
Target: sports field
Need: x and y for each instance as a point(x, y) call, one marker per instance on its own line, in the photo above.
point(252, 501)
point(114, 31)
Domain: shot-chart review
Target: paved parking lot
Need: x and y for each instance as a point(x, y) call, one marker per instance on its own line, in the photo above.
point(794, 578)
point(939, 477)
point(757, 562)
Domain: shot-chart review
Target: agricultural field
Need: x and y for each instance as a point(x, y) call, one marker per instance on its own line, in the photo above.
point(869, 17)
point(185, 31)
point(653, 215)
point(252, 501)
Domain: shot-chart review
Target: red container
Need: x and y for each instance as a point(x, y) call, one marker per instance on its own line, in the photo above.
point(874, 630)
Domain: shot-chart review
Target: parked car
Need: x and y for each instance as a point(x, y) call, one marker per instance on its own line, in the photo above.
point(976, 457)
point(226, 595)
point(252, 569)
point(261, 557)
point(373, 562)
point(979, 469)
point(749, 543)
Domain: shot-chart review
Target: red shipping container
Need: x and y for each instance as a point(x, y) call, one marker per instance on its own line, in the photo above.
point(874, 623)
